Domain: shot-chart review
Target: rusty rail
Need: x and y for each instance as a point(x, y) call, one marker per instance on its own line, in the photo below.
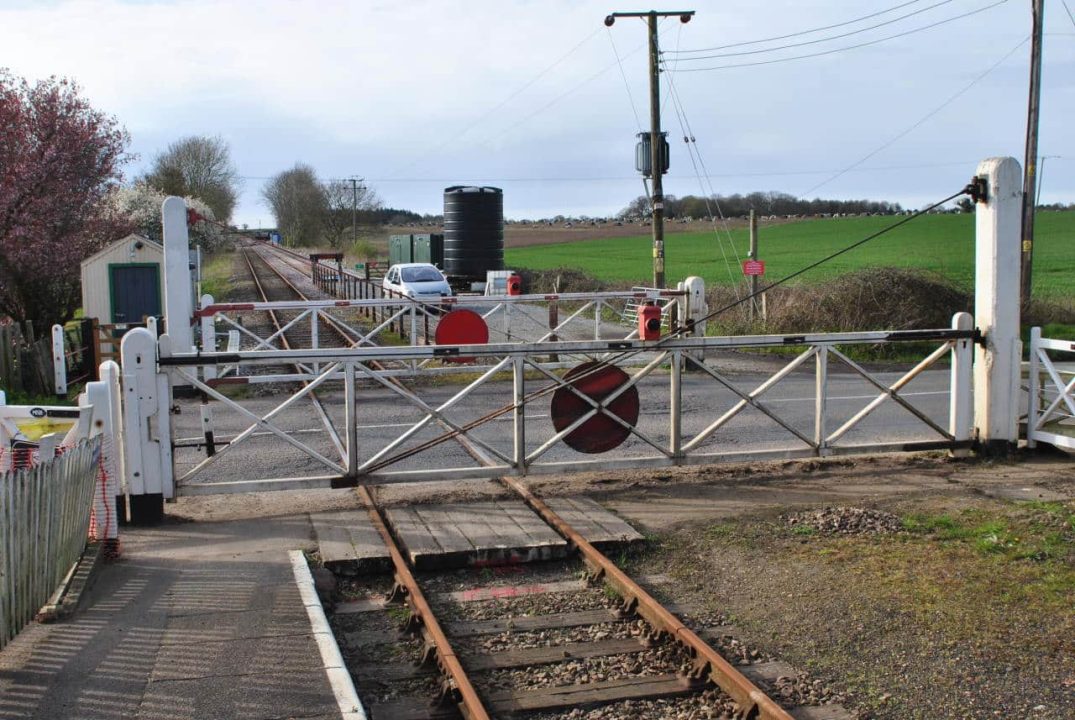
point(708, 663)
point(470, 705)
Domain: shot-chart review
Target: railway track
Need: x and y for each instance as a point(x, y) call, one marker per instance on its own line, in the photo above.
point(573, 634)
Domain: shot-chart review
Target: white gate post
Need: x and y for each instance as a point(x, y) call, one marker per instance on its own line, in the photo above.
point(178, 310)
point(693, 309)
point(146, 427)
point(996, 305)
point(103, 396)
point(961, 399)
point(59, 361)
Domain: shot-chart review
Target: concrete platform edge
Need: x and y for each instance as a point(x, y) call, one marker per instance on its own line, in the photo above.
point(343, 687)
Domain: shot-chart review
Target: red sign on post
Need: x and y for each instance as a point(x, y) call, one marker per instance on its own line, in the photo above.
point(753, 267)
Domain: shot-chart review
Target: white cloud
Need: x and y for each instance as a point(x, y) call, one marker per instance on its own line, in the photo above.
point(384, 89)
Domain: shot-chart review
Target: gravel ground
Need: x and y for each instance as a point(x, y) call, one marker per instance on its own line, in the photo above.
point(556, 637)
point(845, 520)
point(545, 604)
point(501, 576)
point(662, 660)
point(709, 704)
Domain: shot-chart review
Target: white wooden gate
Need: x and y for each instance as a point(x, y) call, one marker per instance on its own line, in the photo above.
point(1051, 406)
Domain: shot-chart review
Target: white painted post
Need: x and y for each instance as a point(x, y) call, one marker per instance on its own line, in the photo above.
point(208, 332)
point(693, 309)
point(141, 406)
point(178, 310)
point(59, 361)
point(100, 395)
point(1033, 404)
point(110, 374)
point(695, 304)
point(961, 399)
point(996, 305)
point(519, 415)
point(821, 391)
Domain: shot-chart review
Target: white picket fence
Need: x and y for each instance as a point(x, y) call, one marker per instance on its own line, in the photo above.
point(44, 519)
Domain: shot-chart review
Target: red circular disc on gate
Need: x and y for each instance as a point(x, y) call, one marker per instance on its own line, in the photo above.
point(461, 327)
point(600, 433)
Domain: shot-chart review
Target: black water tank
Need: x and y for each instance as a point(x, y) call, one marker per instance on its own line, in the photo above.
point(473, 231)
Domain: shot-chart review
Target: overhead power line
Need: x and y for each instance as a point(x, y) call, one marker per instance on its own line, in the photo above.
point(828, 38)
point(804, 32)
point(1070, 16)
point(523, 88)
point(570, 91)
point(622, 178)
point(626, 85)
point(848, 47)
point(921, 121)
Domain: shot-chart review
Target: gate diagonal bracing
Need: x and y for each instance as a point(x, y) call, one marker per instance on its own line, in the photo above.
point(494, 418)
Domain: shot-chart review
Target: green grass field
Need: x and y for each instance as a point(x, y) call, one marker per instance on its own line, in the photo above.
point(941, 243)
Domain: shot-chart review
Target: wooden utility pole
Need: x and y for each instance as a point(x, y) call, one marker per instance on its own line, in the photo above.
point(655, 137)
point(753, 256)
point(354, 209)
point(1030, 158)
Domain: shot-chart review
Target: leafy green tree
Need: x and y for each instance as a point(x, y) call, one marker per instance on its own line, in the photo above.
point(199, 167)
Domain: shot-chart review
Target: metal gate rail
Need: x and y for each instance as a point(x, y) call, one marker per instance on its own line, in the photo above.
point(521, 362)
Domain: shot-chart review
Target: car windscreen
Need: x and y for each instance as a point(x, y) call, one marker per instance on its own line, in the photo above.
point(421, 274)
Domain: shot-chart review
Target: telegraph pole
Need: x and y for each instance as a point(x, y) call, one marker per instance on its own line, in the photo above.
point(354, 208)
point(655, 137)
point(753, 256)
point(1031, 156)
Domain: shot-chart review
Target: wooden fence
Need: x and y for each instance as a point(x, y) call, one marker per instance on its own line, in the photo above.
point(44, 521)
point(25, 362)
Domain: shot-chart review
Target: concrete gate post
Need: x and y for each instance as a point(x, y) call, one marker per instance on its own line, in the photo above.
point(996, 305)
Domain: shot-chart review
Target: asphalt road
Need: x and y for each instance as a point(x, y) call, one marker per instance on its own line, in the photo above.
point(383, 415)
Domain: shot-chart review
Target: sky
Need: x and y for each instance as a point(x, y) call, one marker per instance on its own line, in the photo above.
point(540, 98)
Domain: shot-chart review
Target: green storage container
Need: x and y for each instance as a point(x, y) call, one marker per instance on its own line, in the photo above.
point(428, 248)
point(400, 249)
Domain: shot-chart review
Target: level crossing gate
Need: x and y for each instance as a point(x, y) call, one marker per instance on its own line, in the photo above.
point(622, 403)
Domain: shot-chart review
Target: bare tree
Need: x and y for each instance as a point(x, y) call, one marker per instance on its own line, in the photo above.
point(344, 200)
point(201, 167)
point(299, 204)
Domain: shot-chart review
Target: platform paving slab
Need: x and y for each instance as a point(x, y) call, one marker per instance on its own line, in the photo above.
point(481, 533)
point(196, 620)
point(349, 544)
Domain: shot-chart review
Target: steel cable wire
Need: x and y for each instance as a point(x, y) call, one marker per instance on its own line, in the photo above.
point(600, 363)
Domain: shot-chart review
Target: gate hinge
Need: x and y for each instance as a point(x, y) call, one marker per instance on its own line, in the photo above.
point(978, 189)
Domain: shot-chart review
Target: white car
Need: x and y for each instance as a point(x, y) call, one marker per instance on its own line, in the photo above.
point(420, 281)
